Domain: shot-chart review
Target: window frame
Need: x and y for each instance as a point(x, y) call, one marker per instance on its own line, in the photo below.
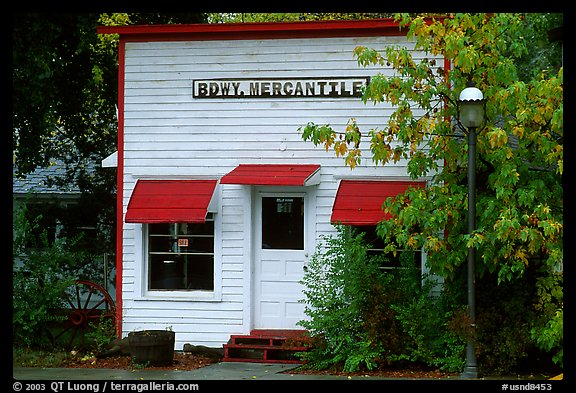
point(178, 294)
point(181, 254)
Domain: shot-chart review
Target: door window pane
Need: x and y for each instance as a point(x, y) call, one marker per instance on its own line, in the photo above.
point(283, 223)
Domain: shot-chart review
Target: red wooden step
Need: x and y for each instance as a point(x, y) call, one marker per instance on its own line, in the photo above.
point(268, 346)
point(283, 333)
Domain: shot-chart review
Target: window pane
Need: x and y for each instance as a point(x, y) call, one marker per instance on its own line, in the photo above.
point(283, 223)
point(200, 272)
point(371, 237)
point(166, 272)
point(403, 258)
point(181, 256)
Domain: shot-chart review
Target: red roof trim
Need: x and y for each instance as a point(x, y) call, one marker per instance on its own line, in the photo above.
point(169, 201)
point(359, 202)
point(271, 174)
point(265, 30)
point(120, 190)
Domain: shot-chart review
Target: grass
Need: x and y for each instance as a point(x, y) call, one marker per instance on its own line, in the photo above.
point(95, 338)
point(24, 357)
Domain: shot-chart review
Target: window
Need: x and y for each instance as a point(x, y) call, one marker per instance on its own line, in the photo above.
point(283, 223)
point(181, 256)
point(392, 261)
point(50, 220)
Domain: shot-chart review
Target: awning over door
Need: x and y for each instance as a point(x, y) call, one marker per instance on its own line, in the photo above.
point(359, 202)
point(161, 201)
point(273, 175)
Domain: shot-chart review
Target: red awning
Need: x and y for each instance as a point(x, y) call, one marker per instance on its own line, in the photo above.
point(161, 201)
point(273, 175)
point(359, 202)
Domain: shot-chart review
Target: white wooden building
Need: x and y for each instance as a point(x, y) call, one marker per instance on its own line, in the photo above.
point(220, 201)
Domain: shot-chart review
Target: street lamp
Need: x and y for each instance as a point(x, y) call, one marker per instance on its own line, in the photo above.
point(471, 116)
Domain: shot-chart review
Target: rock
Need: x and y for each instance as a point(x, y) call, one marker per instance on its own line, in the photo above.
point(116, 347)
point(201, 350)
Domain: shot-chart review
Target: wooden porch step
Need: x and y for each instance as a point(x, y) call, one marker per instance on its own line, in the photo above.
point(283, 333)
point(266, 346)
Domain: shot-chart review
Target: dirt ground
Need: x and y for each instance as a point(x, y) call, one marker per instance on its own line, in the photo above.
point(182, 361)
point(189, 361)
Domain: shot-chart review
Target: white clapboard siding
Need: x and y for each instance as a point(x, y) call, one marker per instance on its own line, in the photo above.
point(169, 134)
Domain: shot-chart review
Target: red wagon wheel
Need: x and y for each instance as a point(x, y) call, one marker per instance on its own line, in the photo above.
point(89, 305)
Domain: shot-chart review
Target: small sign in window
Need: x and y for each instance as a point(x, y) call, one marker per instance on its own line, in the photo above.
point(183, 242)
point(284, 205)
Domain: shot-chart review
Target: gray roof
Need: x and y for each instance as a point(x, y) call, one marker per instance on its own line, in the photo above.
point(37, 182)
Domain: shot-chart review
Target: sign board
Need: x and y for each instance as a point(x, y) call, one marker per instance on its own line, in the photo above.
point(338, 87)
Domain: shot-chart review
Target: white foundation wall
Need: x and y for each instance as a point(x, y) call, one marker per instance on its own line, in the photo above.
point(168, 134)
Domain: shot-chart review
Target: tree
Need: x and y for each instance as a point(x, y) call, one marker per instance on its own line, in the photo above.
point(65, 90)
point(520, 149)
point(236, 17)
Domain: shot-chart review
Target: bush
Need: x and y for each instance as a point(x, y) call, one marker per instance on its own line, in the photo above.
point(511, 322)
point(367, 317)
point(101, 335)
point(547, 331)
point(426, 319)
point(41, 273)
point(364, 317)
point(38, 287)
point(550, 337)
point(337, 285)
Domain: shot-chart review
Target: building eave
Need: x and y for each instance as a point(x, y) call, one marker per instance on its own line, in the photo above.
point(262, 30)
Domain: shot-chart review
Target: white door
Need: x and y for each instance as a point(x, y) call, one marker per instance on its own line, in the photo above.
point(281, 251)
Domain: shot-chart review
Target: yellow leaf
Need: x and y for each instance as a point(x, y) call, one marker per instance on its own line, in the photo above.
point(520, 254)
point(497, 138)
point(519, 131)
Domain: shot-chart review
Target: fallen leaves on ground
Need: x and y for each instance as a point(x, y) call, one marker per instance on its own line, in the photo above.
point(413, 372)
point(182, 361)
point(188, 361)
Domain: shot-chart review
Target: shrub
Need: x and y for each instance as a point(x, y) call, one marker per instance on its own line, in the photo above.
point(364, 317)
point(547, 331)
point(38, 287)
point(337, 285)
point(101, 334)
point(41, 273)
point(512, 319)
point(367, 317)
point(426, 320)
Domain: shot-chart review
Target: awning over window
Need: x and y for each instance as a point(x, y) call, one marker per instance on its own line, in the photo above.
point(161, 201)
point(273, 175)
point(359, 202)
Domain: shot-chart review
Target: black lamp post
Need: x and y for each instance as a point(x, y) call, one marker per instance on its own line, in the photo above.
point(471, 116)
